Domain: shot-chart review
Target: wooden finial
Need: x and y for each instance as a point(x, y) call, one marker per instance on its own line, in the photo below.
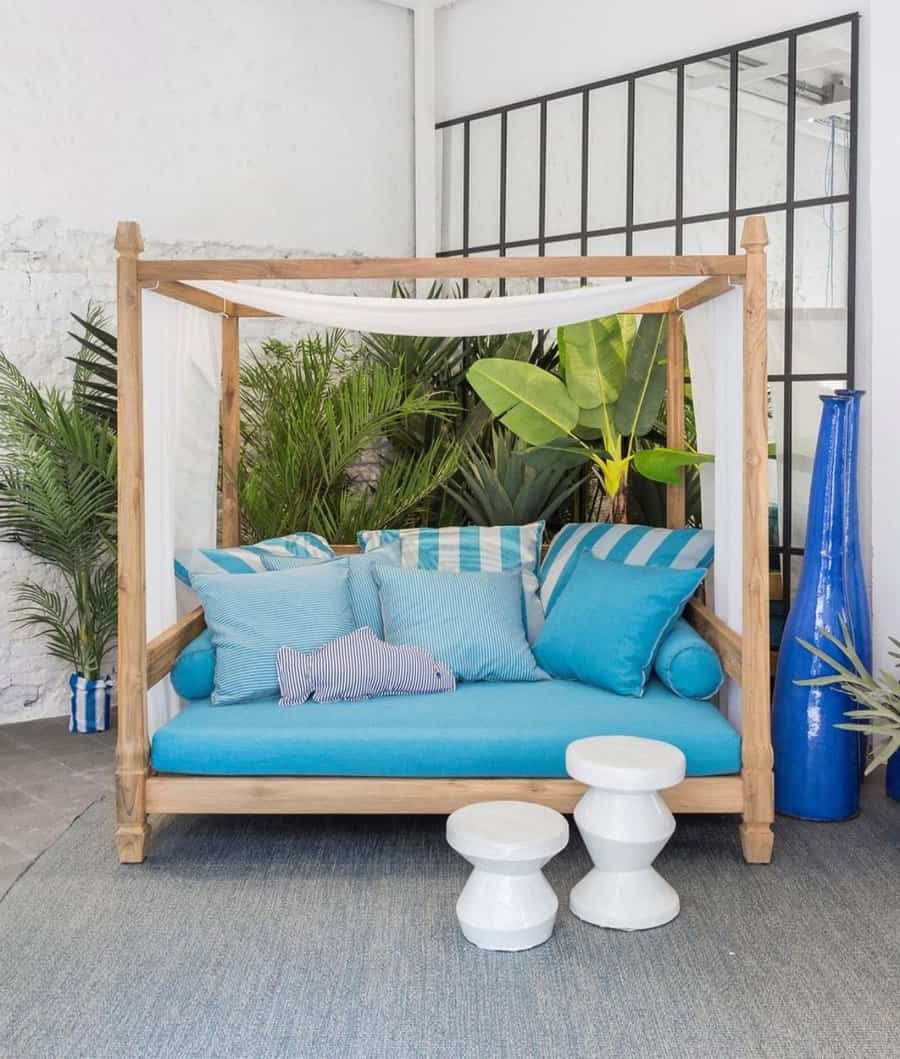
point(755, 235)
point(129, 241)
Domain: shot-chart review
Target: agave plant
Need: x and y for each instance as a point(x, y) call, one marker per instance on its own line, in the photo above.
point(312, 414)
point(879, 700)
point(606, 398)
point(58, 501)
point(500, 488)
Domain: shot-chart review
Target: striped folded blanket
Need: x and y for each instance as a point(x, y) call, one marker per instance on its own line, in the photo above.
point(359, 666)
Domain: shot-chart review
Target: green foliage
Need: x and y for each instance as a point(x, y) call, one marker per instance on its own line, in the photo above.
point(608, 398)
point(532, 403)
point(58, 501)
point(311, 412)
point(498, 487)
point(879, 700)
point(95, 385)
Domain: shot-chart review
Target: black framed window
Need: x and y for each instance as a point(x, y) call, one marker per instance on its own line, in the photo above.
point(669, 160)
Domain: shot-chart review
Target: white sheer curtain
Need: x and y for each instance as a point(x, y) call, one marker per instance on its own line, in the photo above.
point(182, 370)
point(457, 317)
point(715, 352)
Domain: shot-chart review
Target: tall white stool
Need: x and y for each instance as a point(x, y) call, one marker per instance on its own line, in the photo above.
point(625, 824)
point(507, 903)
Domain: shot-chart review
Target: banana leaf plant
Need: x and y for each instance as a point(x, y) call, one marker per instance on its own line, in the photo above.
point(606, 398)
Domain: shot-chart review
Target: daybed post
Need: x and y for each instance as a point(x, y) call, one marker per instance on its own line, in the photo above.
point(675, 414)
point(756, 830)
point(132, 829)
point(231, 428)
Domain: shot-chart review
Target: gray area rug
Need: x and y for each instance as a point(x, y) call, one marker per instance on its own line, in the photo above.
point(300, 936)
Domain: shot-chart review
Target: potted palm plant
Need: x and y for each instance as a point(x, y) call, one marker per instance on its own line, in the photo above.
point(58, 501)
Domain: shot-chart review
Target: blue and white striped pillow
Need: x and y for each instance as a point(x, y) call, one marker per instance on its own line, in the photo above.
point(680, 549)
point(250, 618)
point(470, 620)
point(472, 549)
point(463, 549)
point(359, 666)
point(248, 559)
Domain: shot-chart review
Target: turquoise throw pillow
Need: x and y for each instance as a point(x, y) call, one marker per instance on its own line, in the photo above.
point(363, 590)
point(687, 665)
point(471, 621)
point(471, 549)
point(249, 618)
point(194, 670)
point(609, 620)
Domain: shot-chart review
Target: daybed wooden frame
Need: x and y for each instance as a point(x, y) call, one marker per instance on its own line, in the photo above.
point(141, 791)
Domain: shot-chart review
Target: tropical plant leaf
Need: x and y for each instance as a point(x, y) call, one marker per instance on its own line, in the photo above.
point(644, 388)
point(592, 359)
point(666, 465)
point(531, 402)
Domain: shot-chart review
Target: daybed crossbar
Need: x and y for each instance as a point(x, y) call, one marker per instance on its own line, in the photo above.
point(139, 791)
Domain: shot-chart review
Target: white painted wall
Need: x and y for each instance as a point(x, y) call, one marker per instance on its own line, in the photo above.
point(497, 51)
point(226, 127)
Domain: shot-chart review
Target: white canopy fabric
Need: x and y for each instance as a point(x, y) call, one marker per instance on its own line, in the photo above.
point(452, 317)
point(182, 366)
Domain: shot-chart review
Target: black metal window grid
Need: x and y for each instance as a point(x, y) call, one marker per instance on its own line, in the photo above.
point(735, 63)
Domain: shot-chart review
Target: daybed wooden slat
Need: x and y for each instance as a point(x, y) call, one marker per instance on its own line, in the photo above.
point(200, 299)
point(756, 744)
point(164, 649)
point(718, 635)
point(703, 292)
point(132, 750)
point(230, 419)
point(167, 793)
point(442, 267)
point(675, 509)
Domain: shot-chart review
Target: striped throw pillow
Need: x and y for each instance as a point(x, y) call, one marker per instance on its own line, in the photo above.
point(248, 559)
point(681, 549)
point(359, 666)
point(250, 618)
point(473, 621)
point(472, 549)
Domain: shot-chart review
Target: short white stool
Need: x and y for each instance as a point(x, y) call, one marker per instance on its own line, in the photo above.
point(624, 823)
point(507, 903)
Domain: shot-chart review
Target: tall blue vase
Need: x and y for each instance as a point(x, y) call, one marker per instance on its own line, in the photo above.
point(818, 767)
point(893, 775)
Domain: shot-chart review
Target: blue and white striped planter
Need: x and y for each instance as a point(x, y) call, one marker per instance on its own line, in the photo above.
point(89, 703)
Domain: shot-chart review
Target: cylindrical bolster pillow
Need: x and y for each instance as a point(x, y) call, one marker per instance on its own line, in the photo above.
point(687, 665)
point(194, 669)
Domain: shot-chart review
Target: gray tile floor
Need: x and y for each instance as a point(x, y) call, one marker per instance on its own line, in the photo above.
point(48, 776)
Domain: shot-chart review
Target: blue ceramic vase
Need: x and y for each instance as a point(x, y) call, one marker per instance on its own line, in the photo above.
point(818, 767)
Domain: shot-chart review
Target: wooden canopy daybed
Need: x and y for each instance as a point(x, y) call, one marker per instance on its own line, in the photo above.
point(140, 791)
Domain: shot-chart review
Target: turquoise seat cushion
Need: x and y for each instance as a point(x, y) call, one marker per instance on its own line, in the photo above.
point(193, 674)
point(473, 622)
point(686, 663)
point(249, 618)
point(609, 621)
point(518, 729)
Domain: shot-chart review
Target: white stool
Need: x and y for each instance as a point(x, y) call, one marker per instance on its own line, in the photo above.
point(624, 823)
point(507, 903)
